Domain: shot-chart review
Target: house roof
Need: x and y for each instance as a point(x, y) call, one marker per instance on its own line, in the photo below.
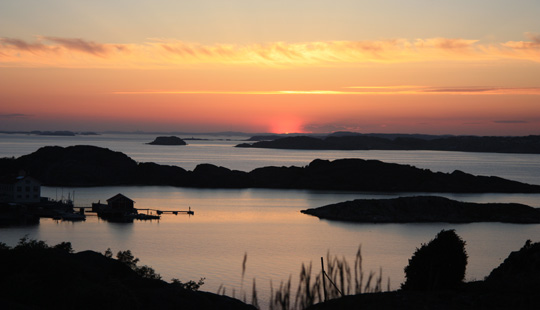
point(117, 197)
point(12, 179)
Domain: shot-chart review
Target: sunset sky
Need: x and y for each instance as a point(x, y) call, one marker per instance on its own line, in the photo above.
point(416, 66)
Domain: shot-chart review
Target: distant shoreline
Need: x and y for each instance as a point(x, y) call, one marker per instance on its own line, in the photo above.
point(524, 144)
point(53, 133)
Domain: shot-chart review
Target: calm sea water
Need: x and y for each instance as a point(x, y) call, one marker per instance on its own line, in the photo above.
point(267, 224)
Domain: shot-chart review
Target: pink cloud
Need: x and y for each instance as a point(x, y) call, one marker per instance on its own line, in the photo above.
point(50, 51)
point(23, 45)
point(80, 45)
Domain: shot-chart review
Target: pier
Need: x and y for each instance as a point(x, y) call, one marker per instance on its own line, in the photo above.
point(105, 212)
point(175, 212)
point(120, 208)
point(86, 209)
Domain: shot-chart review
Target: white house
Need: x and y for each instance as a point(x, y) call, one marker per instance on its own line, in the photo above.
point(19, 189)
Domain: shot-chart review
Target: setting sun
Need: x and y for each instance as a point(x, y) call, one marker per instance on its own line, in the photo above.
point(286, 125)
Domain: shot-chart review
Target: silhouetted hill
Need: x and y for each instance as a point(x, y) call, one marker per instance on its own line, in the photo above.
point(425, 209)
point(527, 144)
point(80, 165)
point(512, 285)
point(172, 140)
point(94, 166)
point(33, 277)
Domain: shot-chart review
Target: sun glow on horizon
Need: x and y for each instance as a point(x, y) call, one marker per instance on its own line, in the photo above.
point(257, 71)
point(286, 125)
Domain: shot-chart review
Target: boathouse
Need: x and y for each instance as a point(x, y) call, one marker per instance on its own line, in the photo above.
point(19, 189)
point(121, 203)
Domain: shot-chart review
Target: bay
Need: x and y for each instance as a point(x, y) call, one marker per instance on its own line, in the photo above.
point(267, 224)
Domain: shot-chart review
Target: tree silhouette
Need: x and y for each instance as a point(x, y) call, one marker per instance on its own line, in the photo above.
point(438, 265)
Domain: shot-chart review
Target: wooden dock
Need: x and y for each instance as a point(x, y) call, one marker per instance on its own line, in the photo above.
point(158, 212)
point(175, 212)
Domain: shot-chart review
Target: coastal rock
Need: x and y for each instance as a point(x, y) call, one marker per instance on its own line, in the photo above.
point(81, 165)
point(519, 272)
point(95, 166)
point(172, 140)
point(212, 176)
point(425, 209)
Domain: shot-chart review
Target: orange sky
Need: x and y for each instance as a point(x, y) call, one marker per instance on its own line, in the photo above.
point(440, 82)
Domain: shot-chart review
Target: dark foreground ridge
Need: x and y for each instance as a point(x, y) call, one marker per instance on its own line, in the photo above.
point(172, 140)
point(94, 166)
point(425, 209)
point(512, 285)
point(526, 144)
point(35, 276)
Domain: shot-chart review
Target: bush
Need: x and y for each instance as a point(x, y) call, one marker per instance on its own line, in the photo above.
point(438, 265)
point(131, 261)
point(27, 244)
point(127, 258)
point(148, 273)
point(64, 246)
point(4, 246)
point(189, 285)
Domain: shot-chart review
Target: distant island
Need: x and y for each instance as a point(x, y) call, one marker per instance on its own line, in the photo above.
point(85, 165)
point(390, 136)
point(353, 141)
point(53, 133)
point(171, 140)
point(421, 209)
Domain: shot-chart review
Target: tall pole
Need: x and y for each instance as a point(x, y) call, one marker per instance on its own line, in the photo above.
point(323, 279)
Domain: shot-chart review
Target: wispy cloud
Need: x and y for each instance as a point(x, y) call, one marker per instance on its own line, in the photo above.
point(21, 45)
point(14, 115)
point(358, 90)
point(413, 90)
point(532, 44)
point(81, 45)
point(163, 53)
point(510, 122)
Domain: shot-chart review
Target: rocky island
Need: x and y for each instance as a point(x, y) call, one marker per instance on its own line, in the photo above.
point(355, 141)
point(172, 140)
point(85, 165)
point(421, 209)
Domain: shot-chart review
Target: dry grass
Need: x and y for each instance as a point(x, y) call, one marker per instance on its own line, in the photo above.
point(340, 280)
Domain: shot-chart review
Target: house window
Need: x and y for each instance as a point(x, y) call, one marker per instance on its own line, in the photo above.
point(27, 188)
point(19, 188)
point(36, 188)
